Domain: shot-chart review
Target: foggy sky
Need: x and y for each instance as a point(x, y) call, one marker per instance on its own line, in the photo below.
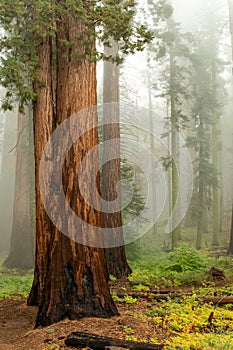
point(188, 13)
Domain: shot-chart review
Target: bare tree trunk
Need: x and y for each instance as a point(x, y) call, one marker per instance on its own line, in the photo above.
point(230, 249)
point(70, 279)
point(32, 193)
point(152, 147)
point(201, 207)
point(221, 190)
point(116, 257)
point(215, 164)
point(21, 254)
point(230, 3)
point(176, 231)
point(7, 183)
point(205, 220)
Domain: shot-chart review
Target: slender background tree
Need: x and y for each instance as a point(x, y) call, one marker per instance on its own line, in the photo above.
point(21, 249)
point(111, 172)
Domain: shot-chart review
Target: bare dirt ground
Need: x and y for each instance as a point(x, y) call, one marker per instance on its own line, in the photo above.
point(17, 326)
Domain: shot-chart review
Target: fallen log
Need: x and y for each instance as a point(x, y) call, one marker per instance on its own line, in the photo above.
point(218, 300)
point(152, 296)
point(80, 339)
point(156, 290)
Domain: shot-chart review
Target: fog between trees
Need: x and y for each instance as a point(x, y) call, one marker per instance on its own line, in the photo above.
point(176, 155)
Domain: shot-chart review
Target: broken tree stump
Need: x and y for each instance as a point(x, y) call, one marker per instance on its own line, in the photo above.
point(79, 339)
point(217, 274)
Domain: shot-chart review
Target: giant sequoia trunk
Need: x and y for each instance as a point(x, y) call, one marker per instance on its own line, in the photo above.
point(116, 257)
point(21, 252)
point(70, 279)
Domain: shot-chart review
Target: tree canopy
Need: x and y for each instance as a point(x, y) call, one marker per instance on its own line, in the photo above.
point(25, 23)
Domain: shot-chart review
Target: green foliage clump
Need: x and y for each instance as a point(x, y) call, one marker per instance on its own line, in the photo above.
point(13, 284)
point(145, 273)
point(53, 346)
point(128, 330)
point(185, 258)
point(225, 263)
point(112, 278)
point(183, 266)
point(141, 288)
point(127, 299)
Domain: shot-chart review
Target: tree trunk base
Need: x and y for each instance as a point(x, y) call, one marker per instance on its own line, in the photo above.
point(117, 262)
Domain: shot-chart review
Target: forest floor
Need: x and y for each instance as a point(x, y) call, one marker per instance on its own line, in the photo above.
point(180, 321)
point(17, 325)
point(136, 321)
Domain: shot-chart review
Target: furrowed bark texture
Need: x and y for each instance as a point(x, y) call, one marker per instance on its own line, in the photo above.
point(70, 279)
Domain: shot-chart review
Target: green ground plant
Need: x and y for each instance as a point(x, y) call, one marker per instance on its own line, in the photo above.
point(186, 258)
point(183, 266)
point(127, 299)
point(201, 341)
point(14, 283)
point(188, 320)
point(184, 320)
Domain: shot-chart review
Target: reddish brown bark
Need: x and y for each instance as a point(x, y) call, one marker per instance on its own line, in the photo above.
point(116, 257)
point(70, 279)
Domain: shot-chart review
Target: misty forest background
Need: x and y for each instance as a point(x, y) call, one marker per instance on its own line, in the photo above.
point(184, 75)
